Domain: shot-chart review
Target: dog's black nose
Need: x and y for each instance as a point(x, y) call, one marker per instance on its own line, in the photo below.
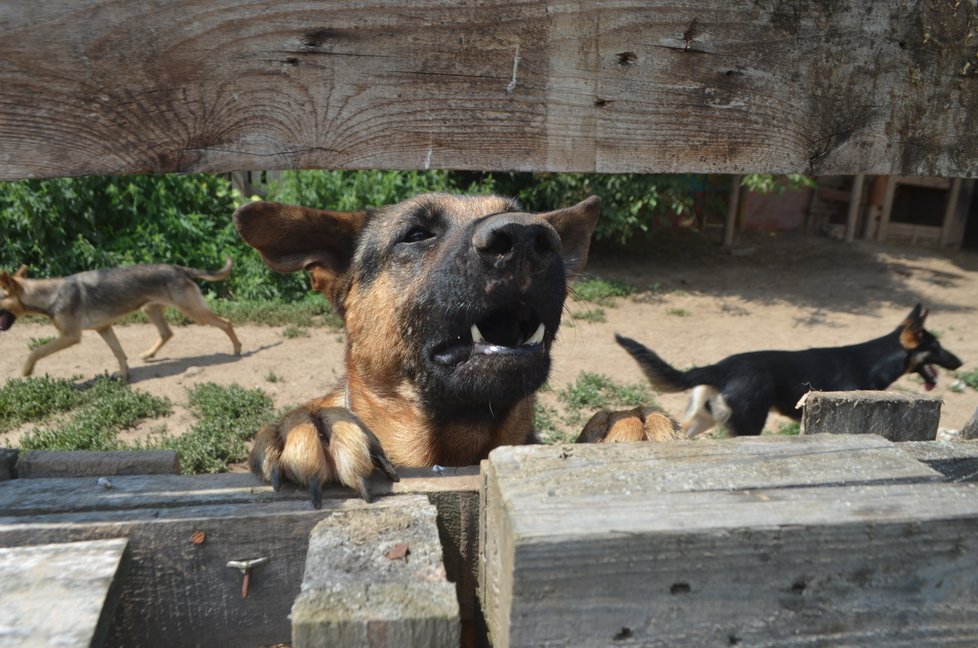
point(510, 240)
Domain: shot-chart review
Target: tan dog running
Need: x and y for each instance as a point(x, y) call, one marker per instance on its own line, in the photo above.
point(95, 299)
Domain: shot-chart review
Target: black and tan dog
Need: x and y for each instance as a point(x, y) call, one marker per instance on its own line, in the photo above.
point(740, 390)
point(95, 299)
point(451, 305)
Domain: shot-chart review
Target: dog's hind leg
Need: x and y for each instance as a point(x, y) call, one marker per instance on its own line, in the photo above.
point(55, 345)
point(109, 336)
point(154, 312)
point(192, 305)
point(700, 415)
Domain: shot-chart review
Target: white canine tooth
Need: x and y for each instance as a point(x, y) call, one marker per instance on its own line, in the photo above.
point(477, 335)
point(537, 336)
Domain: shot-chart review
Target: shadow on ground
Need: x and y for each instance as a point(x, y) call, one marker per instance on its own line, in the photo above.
point(818, 274)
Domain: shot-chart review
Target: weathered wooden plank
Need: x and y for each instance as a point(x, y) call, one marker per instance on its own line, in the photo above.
point(183, 530)
point(897, 416)
point(640, 543)
point(375, 577)
point(957, 461)
point(21, 497)
point(644, 470)
point(99, 86)
point(34, 464)
point(181, 593)
point(60, 594)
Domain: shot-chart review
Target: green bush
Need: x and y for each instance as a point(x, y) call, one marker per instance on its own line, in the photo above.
point(67, 225)
point(227, 416)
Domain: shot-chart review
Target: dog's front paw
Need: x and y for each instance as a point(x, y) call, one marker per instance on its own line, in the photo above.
point(639, 424)
point(312, 446)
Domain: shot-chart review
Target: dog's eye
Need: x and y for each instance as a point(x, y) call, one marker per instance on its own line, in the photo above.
point(416, 235)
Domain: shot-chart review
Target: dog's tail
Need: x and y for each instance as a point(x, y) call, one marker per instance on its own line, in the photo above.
point(660, 373)
point(215, 275)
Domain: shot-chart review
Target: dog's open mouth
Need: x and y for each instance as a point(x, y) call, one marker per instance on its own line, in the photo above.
point(929, 374)
point(6, 320)
point(505, 332)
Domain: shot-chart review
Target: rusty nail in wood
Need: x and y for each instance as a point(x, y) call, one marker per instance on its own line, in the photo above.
point(245, 566)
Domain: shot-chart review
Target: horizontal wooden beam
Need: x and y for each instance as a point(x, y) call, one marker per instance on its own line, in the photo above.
point(183, 530)
point(795, 541)
point(105, 87)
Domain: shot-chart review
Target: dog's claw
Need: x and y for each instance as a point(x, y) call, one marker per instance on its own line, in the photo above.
point(317, 445)
point(316, 492)
point(381, 461)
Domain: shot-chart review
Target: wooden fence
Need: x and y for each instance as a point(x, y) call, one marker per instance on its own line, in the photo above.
point(110, 87)
point(106, 87)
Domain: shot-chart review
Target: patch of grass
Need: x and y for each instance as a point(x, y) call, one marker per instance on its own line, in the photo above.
point(546, 423)
point(789, 429)
point(100, 410)
point(293, 332)
point(590, 315)
point(315, 311)
point(678, 312)
point(23, 400)
point(34, 342)
point(601, 291)
point(273, 377)
point(228, 415)
point(312, 312)
point(969, 378)
point(591, 392)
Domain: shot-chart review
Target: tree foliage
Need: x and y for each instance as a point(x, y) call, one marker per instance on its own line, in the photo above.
point(62, 226)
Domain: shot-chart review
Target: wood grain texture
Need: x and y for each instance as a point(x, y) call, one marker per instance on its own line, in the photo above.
point(60, 594)
point(375, 577)
point(818, 541)
point(897, 416)
point(107, 86)
point(180, 592)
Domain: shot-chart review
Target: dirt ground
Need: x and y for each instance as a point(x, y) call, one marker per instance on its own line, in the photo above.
point(695, 304)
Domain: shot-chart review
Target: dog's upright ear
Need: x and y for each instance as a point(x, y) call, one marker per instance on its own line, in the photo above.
point(9, 284)
point(575, 225)
point(291, 238)
point(912, 328)
point(21, 272)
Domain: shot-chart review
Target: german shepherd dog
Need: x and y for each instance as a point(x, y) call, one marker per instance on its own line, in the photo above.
point(451, 305)
point(740, 390)
point(95, 299)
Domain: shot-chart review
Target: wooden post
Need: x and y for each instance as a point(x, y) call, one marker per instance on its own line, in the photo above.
point(374, 577)
point(892, 415)
point(949, 225)
point(855, 202)
point(733, 207)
